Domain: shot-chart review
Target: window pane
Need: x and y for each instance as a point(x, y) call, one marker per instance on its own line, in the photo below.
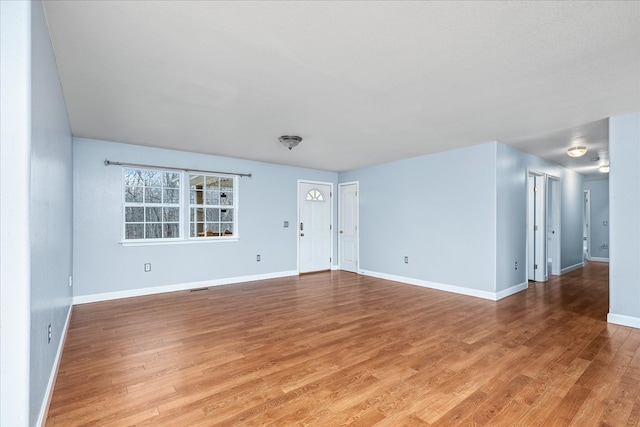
point(171, 195)
point(226, 214)
point(226, 183)
point(213, 214)
point(196, 181)
point(133, 194)
point(134, 231)
point(153, 231)
point(227, 228)
point(212, 197)
point(171, 214)
point(133, 177)
point(172, 180)
point(226, 198)
point(134, 214)
point(212, 182)
point(153, 214)
point(152, 178)
point(152, 195)
point(171, 230)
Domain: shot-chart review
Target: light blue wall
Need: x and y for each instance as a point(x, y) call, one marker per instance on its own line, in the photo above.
point(51, 210)
point(37, 240)
point(599, 190)
point(624, 230)
point(103, 265)
point(439, 210)
point(512, 167)
point(460, 216)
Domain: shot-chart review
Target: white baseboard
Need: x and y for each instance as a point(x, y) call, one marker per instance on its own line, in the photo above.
point(335, 267)
point(42, 418)
point(84, 299)
point(593, 258)
point(571, 268)
point(493, 296)
point(512, 290)
point(621, 319)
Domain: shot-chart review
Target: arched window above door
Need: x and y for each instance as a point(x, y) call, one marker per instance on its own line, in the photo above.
point(315, 195)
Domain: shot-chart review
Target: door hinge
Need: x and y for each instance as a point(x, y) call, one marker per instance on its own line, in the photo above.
point(330, 227)
point(535, 228)
point(535, 266)
point(535, 189)
point(329, 260)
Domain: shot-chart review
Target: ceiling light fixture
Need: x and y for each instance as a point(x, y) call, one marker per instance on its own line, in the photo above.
point(604, 168)
point(577, 151)
point(290, 141)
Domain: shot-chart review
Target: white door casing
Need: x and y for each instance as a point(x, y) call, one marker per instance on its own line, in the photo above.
point(553, 225)
point(314, 226)
point(348, 226)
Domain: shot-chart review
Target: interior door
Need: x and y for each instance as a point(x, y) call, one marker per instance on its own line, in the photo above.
point(537, 262)
point(348, 226)
point(553, 225)
point(314, 226)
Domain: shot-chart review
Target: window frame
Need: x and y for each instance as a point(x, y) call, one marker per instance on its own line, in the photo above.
point(219, 206)
point(184, 210)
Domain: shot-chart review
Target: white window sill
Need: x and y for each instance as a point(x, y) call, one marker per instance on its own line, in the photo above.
point(176, 241)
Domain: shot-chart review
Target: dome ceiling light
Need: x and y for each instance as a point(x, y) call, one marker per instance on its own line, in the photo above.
point(290, 141)
point(577, 151)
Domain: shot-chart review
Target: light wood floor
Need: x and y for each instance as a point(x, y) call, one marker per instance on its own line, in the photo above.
point(336, 348)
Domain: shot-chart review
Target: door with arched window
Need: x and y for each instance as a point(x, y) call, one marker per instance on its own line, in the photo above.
point(314, 226)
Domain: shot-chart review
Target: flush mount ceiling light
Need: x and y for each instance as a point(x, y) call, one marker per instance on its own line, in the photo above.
point(577, 151)
point(604, 168)
point(290, 141)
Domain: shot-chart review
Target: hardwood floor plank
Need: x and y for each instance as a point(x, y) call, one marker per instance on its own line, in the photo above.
point(337, 348)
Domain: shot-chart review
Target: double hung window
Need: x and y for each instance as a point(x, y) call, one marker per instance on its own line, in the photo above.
point(162, 205)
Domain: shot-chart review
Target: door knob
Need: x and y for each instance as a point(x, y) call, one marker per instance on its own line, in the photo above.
point(341, 231)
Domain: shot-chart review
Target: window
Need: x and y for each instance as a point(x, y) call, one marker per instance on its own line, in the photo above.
point(315, 195)
point(151, 204)
point(154, 202)
point(211, 206)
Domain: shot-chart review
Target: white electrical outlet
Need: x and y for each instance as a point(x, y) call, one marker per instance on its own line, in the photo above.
point(70, 281)
point(147, 267)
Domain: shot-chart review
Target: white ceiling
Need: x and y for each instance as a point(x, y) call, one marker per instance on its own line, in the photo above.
point(361, 82)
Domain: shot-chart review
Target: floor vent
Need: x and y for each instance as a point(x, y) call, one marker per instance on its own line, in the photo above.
point(198, 290)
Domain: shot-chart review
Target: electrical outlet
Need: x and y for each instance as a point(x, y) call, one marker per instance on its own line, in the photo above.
point(286, 224)
point(406, 260)
point(258, 258)
point(147, 267)
point(516, 266)
point(49, 334)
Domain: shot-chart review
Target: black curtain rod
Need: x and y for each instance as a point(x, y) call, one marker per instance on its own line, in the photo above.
point(110, 163)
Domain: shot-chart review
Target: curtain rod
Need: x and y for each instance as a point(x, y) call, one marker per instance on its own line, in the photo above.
point(110, 163)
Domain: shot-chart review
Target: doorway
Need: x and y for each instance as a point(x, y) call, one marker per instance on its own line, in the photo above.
point(315, 204)
point(348, 221)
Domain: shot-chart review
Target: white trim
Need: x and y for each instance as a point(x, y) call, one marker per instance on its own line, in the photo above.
point(621, 319)
point(493, 296)
point(335, 267)
point(44, 410)
point(571, 268)
point(84, 299)
point(597, 259)
point(512, 290)
point(163, 242)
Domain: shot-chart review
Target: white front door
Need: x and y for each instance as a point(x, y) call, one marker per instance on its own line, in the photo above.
point(314, 226)
point(348, 226)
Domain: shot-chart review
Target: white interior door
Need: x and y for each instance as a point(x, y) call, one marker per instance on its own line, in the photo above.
point(553, 226)
point(348, 226)
point(314, 226)
point(586, 223)
point(537, 262)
